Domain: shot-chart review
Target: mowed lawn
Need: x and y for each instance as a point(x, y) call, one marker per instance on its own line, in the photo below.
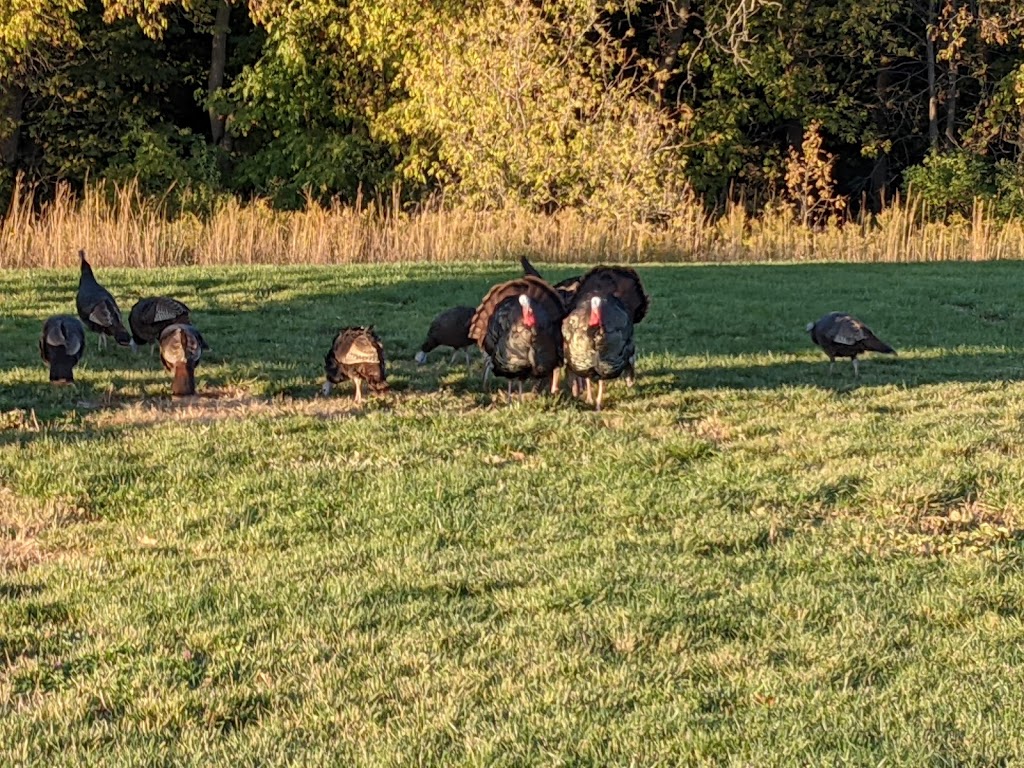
point(741, 561)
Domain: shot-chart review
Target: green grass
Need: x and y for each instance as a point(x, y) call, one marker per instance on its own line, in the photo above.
point(741, 561)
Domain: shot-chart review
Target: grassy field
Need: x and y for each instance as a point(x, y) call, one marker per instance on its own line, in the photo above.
point(741, 561)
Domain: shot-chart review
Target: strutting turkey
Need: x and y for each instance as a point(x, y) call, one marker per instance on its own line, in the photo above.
point(61, 346)
point(150, 316)
point(566, 288)
point(518, 326)
point(357, 354)
point(98, 309)
point(621, 282)
point(599, 342)
point(181, 347)
point(448, 329)
point(842, 335)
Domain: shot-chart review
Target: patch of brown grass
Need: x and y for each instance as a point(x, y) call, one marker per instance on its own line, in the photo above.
point(128, 229)
point(23, 523)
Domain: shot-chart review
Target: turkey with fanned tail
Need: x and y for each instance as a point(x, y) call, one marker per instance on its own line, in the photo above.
point(621, 282)
point(598, 342)
point(448, 329)
point(518, 326)
point(842, 335)
point(181, 348)
point(98, 309)
point(356, 354)
point(149, 317)
point(61, 346)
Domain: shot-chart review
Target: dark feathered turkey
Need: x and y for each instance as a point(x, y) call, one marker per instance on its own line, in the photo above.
point(621, 282)
point(566, 288)
point(599, 342)
point(150, 316)
point(181, 347)
point(518, 325)
point(449, 329)
point(61, 346)
point(98, 309)
point(842, 335)
point(357, 354)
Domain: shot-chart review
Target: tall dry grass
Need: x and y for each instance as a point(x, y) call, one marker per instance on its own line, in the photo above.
point(127, 229)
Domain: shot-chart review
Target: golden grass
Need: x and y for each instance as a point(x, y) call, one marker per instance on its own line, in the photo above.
point(124, 228)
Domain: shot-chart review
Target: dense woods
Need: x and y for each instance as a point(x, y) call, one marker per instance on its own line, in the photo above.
point(823, 108)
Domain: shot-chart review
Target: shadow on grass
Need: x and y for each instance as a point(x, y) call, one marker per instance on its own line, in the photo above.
point(270, 327)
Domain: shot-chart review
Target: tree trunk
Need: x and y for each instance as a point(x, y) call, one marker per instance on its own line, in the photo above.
point(218, 61)
point(12, 103)
point(952, 77)
point(880, 171)
point(933, 96)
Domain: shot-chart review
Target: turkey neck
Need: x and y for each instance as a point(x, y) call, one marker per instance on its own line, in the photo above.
point(184, 380)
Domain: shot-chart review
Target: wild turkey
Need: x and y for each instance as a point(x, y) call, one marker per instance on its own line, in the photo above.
point(448, 329)
point(150, 316)
point(62, 345)
point(98, 309)
point(357, 354)
point(518, 325)
point(181, 347)
point(621, 282)
point(566, 288)
point(842, 335)
point(599, 342)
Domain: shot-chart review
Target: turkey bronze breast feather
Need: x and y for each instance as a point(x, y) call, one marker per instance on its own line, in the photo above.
point(518, 326)
point(97, 307)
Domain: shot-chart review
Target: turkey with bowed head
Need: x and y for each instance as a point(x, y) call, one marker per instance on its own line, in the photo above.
point(150, 316)
point(98, 309)
point(842, 335)
point(357, 354)
point(518, 326)
point(181, 347)
point(599, 342)
point(449, 329)
point(61, 346)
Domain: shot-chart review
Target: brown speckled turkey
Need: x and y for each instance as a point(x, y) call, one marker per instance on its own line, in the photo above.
point(61, 345)
point(98, 309)
point(842, 335)
point(151, 315)
point(518, 326)
point(181, 348)
point(448, 329)
point(357, 354)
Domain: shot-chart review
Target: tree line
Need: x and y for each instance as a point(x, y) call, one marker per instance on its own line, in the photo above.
point(826, 107)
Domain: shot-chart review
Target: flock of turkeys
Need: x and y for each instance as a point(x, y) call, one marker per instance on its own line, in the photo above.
point(526, 329)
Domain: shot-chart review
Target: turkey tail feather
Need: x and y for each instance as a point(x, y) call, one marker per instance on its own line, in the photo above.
point(875, 344)
point(528, 268)
point(534, 287)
